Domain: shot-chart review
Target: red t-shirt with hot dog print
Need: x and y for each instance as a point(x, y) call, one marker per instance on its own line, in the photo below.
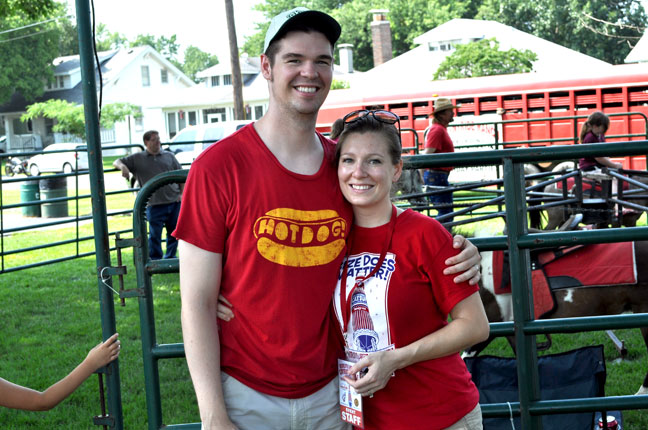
point(282, 236)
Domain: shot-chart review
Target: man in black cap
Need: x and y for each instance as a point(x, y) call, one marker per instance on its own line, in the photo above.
point(264, 223)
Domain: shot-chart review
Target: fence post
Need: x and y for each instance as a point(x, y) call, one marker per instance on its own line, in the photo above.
point(527, 354)
point(97, 187)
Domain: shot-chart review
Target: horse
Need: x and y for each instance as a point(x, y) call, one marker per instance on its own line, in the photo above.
point(409, 183)
point(573, 302)
point(556, 215)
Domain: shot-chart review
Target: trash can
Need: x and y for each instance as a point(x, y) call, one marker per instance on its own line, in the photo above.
point(29, 193)
point(52, 188)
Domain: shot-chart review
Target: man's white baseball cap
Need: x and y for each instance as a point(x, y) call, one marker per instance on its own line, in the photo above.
point(285, 21)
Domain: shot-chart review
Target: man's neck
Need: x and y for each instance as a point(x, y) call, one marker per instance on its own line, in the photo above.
point(292, 140)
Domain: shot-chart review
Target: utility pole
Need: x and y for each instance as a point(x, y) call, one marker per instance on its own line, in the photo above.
point(237, 84)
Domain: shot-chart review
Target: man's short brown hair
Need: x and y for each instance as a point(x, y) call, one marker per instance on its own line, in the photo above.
point(148, 135)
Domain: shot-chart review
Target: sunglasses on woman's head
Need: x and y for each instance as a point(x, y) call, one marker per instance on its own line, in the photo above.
point(384, 116)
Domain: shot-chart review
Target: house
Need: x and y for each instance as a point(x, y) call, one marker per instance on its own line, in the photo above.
point(135, 75)
point(212, 99)
point(419, 64)
point(639, 53)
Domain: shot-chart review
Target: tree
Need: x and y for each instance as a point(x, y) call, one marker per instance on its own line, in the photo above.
point(409, 18)
point(27, 52)
point(253, 45)
point(69, 38)
point(107, 40)
point(196, 60)
point(600, 28)
point(71, 118)
point(484, 58)
point(168, 47)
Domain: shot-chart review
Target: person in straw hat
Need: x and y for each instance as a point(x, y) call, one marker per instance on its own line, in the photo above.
point(437, 141)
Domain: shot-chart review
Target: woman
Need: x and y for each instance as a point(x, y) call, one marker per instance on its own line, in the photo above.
point(393, 300)
point(593, 131)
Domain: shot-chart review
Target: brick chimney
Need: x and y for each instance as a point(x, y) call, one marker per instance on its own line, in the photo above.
point(381, 36)
point(346, 57)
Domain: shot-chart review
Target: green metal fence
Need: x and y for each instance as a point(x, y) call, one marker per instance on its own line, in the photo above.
point(50, 209)
point(518, 241)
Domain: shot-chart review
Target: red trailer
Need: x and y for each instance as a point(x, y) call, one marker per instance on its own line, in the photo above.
point(514, 110)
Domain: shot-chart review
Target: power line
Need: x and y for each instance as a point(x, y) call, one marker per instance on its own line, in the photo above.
point(32, 25)
point(26, 35)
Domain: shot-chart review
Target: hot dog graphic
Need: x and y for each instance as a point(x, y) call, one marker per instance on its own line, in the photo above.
point(298, 238)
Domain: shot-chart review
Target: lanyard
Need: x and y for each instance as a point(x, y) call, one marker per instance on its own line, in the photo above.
point(359, 281)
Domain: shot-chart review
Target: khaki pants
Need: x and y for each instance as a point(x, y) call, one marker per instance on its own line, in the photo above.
point(249, 409)
point(472, 421)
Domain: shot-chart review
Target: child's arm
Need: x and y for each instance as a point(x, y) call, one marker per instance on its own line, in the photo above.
point(609, 163)
point(18, 397)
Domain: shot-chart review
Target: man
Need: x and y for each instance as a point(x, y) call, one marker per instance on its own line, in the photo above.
point(438, 141)
point(164, 206)
point(264, 223)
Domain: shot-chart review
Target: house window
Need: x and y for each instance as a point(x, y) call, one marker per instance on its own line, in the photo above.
point(58, 82)
point(227, 80)
point(215, 81)
point(164, 76)
point(139, 121)
point(182, 120)
point(146, 79)
point(49, 126)
point(214, 115)
point(192, 117)
point(20, 127)
point(258, 112)
point(171, 124)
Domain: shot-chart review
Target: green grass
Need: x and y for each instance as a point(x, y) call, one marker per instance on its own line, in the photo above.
point(50, 318)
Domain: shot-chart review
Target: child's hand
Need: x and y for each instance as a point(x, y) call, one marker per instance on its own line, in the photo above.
point(105, 352)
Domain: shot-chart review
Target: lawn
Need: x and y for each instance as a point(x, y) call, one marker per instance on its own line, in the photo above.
point(51, 318)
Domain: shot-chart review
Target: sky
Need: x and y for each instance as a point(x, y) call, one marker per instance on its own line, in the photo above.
point(200, 23)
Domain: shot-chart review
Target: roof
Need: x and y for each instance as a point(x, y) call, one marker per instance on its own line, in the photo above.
point(254, 91)
point(419, 64)
point(249, 66)
point(113, 63)
point(69, 63)
point(640, 52)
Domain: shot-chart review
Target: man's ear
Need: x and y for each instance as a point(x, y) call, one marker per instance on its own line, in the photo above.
point(266, 68)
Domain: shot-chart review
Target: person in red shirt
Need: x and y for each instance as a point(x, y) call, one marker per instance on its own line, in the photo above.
point(264, 223)
point(438, 141)
point(392, 300)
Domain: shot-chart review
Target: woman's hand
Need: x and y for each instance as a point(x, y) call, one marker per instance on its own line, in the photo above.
point(224, 309)
point(466, 263)
point(377, 368)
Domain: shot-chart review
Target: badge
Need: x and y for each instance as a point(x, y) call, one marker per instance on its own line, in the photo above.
point(350, 400)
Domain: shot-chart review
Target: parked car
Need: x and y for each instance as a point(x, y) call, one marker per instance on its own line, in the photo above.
point(199, 137)
point(76, 157)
